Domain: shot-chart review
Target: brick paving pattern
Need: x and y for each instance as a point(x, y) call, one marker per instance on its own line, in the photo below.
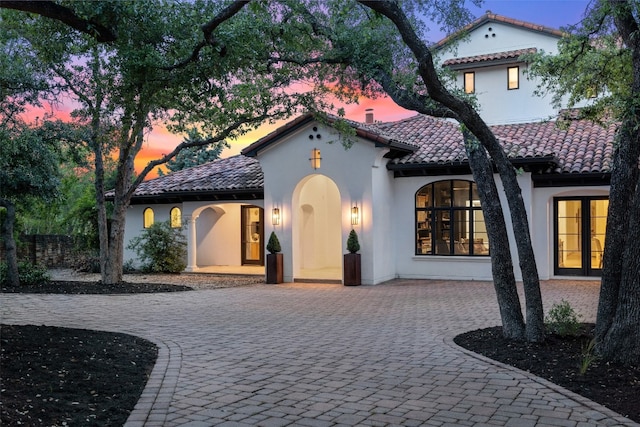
point(325, 355)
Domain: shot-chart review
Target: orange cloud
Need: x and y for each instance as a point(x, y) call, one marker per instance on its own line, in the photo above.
point(160, 141)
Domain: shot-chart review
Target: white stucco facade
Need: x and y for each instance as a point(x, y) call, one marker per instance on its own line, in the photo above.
point(315, 201)
point(498, 104)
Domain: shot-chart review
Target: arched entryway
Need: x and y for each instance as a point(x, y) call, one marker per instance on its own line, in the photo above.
point(317, 235)
point(226, 238)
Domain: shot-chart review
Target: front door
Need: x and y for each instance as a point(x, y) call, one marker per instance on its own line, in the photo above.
point(580, 225)
point(252, 235)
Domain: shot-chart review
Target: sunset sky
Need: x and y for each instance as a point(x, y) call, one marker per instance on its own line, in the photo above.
point(552, 13)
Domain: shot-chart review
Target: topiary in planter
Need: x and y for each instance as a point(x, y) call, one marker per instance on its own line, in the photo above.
point(352, 264)
point(273, 245)
point(352, 242)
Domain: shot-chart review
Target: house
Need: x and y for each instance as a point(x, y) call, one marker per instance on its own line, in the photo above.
point(405, 187)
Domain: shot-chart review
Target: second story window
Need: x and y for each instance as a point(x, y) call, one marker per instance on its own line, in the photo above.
point(513, 78)
point(470, 82)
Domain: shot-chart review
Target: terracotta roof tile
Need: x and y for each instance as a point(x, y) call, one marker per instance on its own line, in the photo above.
point(489, 57)
point(233, 173)
point(581, 147)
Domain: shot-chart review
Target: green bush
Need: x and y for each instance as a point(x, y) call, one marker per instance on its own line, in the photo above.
point(353, 245)
point(563, 319)
point(273, 245)
point(161, 248)
point(29, 274)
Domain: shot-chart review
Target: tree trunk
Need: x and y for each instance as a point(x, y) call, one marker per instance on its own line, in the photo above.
point(621, 342)
point(472, 120)
point(624, 178)
point(13, 277)
point(112, 273)
point(520, 224)
point(504, 281)
point(618, 320)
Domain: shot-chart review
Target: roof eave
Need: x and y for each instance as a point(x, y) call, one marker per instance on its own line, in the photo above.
point(528, 164)
point(253, 149)
point(204, 195)
point(571, 179)
point(484, 64)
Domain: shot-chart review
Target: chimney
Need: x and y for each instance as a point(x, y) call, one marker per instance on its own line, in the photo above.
point(368, 116)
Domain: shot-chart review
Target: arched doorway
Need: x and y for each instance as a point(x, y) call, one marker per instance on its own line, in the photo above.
point(317, 230)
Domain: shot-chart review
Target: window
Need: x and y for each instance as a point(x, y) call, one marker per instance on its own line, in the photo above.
point(470, 82)
point(176, 217)
point(580, 226)
point(513, 78)
point(147, 220)
point(449, 220)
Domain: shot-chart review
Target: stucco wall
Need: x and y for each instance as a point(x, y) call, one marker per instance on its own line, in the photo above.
point(134, 223)
point(542, 223)
point(409, 265)
point(286, 165)
point(497, 103)
point(501, 38)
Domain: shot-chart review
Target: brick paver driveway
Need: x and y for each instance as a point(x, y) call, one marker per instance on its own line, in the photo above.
point(324, 355)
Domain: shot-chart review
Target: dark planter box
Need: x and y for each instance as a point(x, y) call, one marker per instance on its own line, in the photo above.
point(352, 270)
point(274, 269)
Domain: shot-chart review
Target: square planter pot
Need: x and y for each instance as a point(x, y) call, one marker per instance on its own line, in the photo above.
point(274, 268)
point(351, 270)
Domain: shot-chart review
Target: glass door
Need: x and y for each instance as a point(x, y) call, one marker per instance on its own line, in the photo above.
point(580, 224)
point(252, 235)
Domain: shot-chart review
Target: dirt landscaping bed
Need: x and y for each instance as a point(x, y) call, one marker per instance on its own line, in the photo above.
point(52, 376)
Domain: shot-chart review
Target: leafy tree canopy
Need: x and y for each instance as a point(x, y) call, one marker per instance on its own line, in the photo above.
point(194, 156)
point(592, 69)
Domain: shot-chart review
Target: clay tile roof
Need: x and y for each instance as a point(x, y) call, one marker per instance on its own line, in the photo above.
point(581, 147)
point(222, 175)
point(489, 57)
point(366, 131)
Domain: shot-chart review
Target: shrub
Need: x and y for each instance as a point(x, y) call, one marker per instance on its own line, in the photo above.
point(563, 319)
point(273, 245)
point(353, 245)
point(29, 274)
point(129, 266)
point(86, 263)
point(161, 248)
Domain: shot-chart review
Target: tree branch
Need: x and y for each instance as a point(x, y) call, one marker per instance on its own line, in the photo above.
point(208, 29)
point(63, 14)
point(199, 143)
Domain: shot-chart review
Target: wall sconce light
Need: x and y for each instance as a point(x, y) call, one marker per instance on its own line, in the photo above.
point(315, 158)
point(355, 215)
point(275, 216)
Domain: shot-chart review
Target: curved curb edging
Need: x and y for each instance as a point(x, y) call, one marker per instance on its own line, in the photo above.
point(598, 408)
point(153, 406)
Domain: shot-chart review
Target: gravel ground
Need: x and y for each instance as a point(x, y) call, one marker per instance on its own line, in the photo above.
point(193, 280)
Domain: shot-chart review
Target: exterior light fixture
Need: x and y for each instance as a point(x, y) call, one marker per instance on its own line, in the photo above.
point(315, 158)
point(275, 216)
point(355, 215)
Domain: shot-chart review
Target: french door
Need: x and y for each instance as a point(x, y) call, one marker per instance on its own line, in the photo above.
point(580, 225)
point(252, 235)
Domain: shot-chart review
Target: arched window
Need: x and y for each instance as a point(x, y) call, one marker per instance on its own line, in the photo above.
point(176, 217)
point(449, 220)
point(147, 220)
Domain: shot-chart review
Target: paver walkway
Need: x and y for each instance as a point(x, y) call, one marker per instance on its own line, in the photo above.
point(324, 355)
